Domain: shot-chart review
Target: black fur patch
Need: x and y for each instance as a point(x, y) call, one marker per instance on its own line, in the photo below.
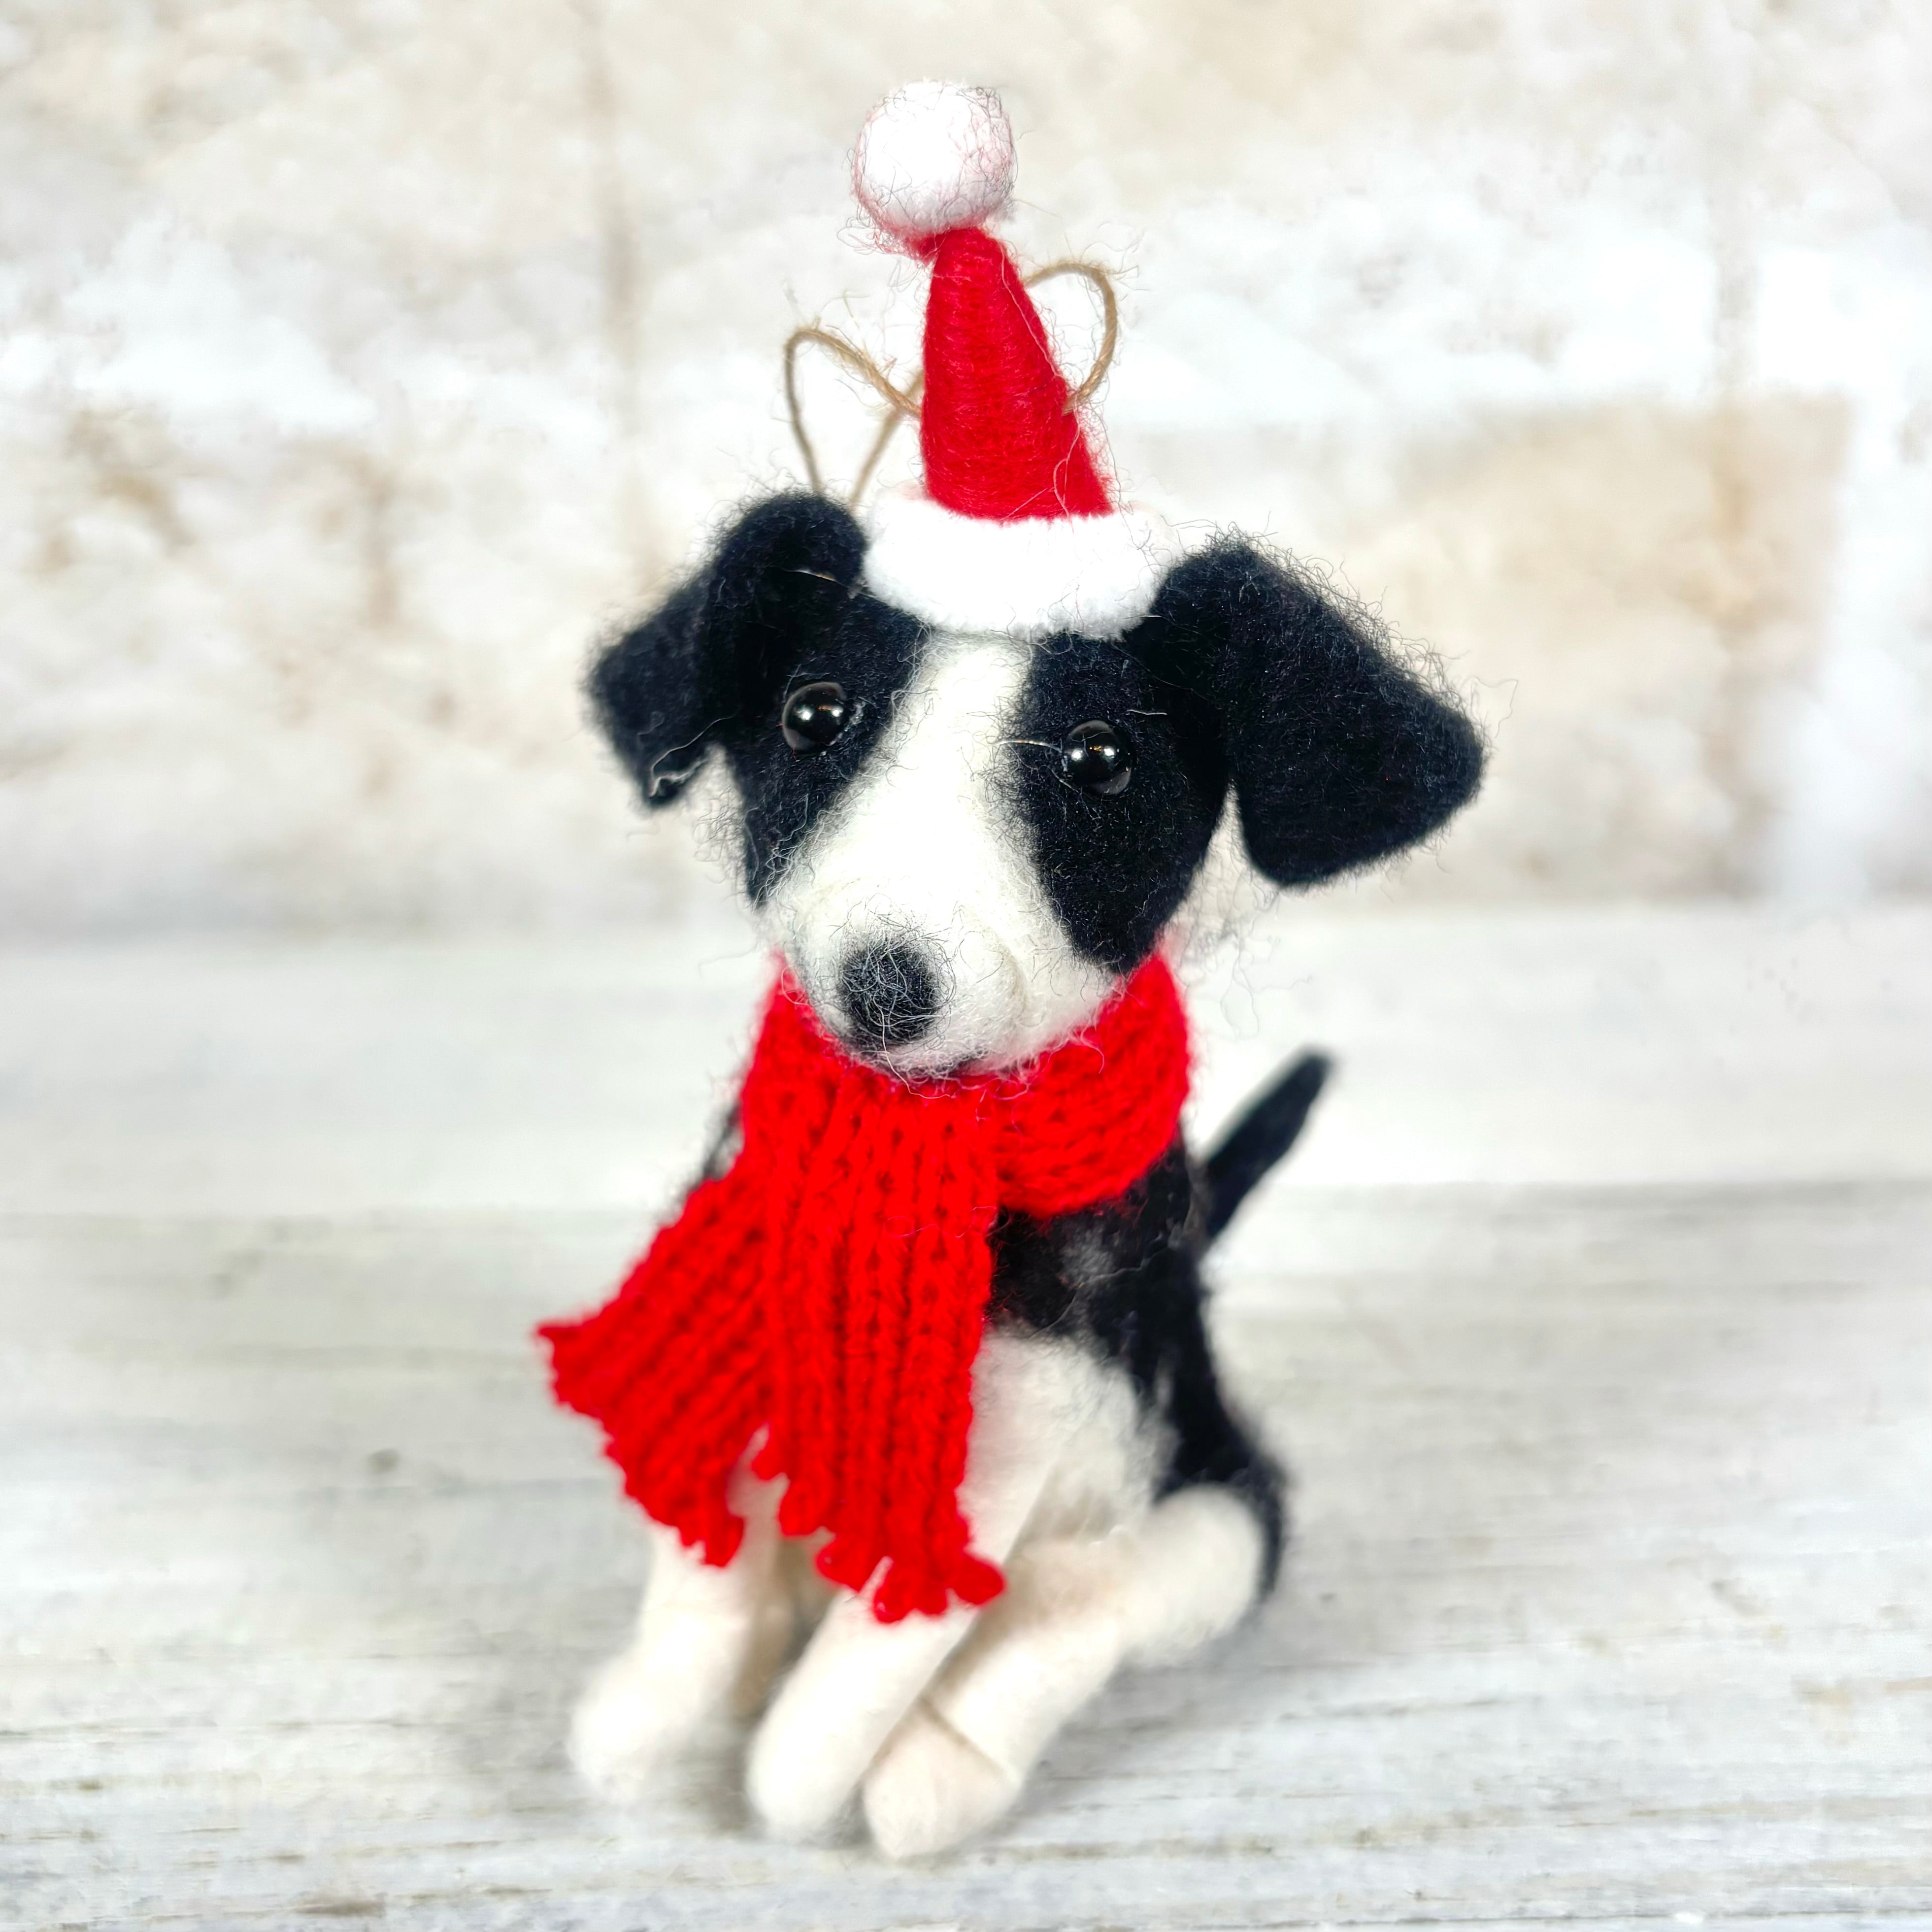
point(1116, 869)
point(1340, 754)
point(1124, 1278)
point(866, 646)
point(779, 607)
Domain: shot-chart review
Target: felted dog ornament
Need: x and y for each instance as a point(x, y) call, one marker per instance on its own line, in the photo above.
point(922, 1358)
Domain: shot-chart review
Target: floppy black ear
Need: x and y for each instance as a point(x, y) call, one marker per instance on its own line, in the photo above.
point(1340, 754)
point(670, 688)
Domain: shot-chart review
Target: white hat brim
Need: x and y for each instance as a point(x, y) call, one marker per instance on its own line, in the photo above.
point(1029, 579)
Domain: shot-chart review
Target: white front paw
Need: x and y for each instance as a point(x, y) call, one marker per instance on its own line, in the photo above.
point(930, 1790)
point(631, 1721)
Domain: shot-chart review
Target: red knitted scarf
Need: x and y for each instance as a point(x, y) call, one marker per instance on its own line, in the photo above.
point(832, 1287)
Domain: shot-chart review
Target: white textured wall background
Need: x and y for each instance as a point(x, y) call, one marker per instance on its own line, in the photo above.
point(363, 358)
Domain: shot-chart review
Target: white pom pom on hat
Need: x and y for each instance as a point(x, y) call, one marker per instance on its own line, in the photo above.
point(933, 157)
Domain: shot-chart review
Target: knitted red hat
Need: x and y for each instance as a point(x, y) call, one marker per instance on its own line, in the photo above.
point(1016, 529)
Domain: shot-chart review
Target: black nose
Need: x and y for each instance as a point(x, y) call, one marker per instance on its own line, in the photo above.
point(891, 994)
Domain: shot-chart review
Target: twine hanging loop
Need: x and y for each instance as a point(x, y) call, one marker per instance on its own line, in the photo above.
point(905, 403)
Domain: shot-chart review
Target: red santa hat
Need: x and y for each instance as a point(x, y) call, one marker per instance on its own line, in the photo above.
point(1015, 529)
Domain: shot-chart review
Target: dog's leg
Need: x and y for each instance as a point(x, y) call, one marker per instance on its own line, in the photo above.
point(706, 1639)
point(858, 1677)
point(1074, 1609)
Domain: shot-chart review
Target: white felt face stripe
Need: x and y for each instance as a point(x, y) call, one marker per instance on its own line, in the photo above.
point(923, 850)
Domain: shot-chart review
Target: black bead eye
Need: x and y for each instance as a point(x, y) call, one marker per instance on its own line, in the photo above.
point(1094, 758)
point(815, 715)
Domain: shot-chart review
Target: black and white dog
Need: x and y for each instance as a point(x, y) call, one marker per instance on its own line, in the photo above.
point(960, 844)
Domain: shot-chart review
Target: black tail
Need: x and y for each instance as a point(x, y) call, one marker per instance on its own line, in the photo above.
point(1266, 1130)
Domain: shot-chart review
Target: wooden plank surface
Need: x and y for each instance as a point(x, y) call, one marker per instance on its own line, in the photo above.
point(1611, 1597)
